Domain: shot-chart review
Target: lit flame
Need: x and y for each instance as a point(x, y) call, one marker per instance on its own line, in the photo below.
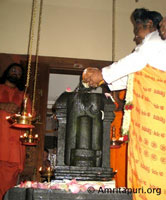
point(49, 169)
point(29, 114)
point(25, 134)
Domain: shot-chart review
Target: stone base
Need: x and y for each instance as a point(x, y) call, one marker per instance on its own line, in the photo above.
point(84, 173)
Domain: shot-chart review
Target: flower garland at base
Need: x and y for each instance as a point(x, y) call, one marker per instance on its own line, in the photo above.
point(127, 109)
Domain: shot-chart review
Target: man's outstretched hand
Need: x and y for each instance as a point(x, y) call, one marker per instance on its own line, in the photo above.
point(93, 77)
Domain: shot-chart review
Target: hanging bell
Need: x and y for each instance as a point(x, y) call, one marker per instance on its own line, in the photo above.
point(115, 143)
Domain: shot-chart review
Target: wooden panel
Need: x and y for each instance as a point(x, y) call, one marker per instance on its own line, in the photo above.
point(56, 64)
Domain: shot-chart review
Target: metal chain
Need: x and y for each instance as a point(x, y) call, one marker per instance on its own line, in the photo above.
point(33, 16)
point(113, 29)
point(37, 57)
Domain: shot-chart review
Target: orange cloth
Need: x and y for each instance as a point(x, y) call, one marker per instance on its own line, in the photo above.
point(118, 157)
point(8, 176)
point(147, 139)
point(12, 153)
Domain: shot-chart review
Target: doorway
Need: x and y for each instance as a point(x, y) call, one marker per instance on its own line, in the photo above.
point(58, 83)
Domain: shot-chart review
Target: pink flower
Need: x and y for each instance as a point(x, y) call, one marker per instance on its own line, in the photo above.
point(43, 185)
point(73, 181)
point(22, 185)
point(131, 107)
point(125, 138)
point(128, 107)
point(68, 89)
point(55, 187)
point(34, 185)
point(74, 188)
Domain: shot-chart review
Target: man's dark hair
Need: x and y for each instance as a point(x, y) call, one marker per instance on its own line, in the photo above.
point(21, 82)
point(142, 15)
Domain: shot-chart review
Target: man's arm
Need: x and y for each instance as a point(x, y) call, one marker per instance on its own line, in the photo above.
point(113, 73)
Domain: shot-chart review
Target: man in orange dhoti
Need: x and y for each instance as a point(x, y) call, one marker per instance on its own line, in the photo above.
point(12, 153)
point(143, 72)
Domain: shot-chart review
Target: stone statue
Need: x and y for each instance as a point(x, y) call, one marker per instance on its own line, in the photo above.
point(84, 131)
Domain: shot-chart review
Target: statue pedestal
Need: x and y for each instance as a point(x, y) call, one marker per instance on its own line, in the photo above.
point(84, 173)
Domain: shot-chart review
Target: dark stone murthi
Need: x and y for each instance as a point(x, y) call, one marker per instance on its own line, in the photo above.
point(83, 150)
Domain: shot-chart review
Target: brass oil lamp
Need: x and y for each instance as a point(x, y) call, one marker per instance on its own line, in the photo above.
point(29, 139)
point(47, 173)
point(22, 120)
point(115, 143)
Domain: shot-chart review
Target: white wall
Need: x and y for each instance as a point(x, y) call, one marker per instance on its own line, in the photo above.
point(72, 28)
